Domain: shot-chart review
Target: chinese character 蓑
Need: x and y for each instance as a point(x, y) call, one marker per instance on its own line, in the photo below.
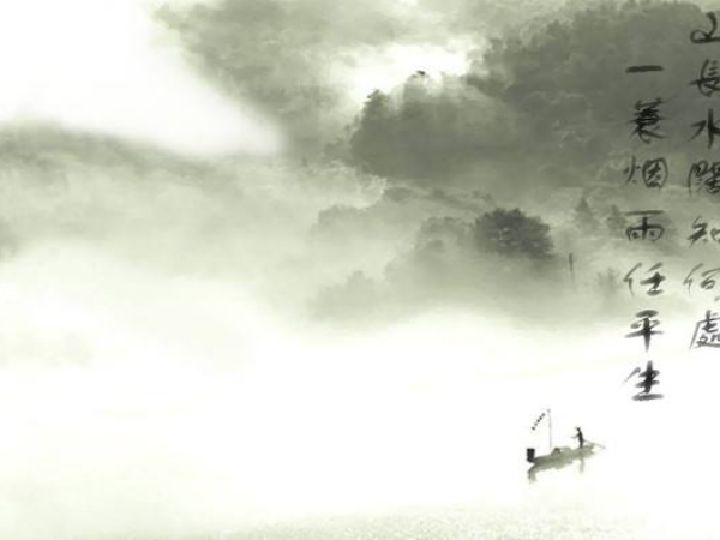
point(647, 120)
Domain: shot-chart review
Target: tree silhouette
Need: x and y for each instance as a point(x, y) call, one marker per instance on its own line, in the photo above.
point(512, 233)
point(553, 99)
point(616, 222)
point(584, 217)
point(368, 144)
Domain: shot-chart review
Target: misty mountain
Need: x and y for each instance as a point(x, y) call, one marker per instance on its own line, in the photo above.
point(50, 149)
point(551, 102)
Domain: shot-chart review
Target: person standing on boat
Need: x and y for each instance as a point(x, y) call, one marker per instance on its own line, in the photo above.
point(579, 436)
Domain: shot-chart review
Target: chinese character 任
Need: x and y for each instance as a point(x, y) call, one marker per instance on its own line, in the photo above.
point(653, 280)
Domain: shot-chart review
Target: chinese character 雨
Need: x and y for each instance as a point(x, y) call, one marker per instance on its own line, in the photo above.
point(645, 230)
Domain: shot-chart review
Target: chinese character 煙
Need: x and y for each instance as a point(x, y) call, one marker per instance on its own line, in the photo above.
point(654, 172)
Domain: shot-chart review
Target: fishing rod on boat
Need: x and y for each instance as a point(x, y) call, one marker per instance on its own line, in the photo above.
point(546, 414)
point(550, 441)
point(562, 455)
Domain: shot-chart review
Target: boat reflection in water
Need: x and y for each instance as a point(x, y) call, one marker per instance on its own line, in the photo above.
point(559, 457)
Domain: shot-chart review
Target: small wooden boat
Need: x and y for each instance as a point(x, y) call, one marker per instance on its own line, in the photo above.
point(559, 456)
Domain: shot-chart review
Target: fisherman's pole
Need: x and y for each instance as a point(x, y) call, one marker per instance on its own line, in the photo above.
point(549, 430)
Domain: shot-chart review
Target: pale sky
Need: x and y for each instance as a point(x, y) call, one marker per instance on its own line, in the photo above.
point(106, 66)
point(387, 67)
